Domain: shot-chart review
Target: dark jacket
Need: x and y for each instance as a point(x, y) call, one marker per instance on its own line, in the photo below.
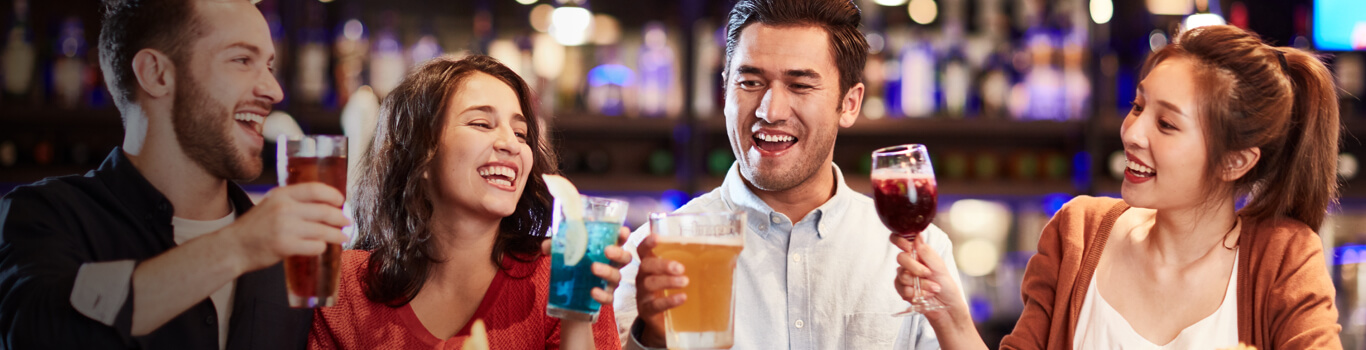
point(48, 229)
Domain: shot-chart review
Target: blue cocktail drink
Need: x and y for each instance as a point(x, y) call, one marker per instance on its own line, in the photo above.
point(575, 246)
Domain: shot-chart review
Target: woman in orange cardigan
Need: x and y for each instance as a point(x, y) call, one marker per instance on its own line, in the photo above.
point(1219, 116)
point(451, 212)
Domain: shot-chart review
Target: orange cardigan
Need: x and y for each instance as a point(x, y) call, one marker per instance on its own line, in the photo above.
point(1285, 296)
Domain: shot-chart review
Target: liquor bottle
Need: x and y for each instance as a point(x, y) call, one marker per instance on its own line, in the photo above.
point(720, 160)
point(19, 56)
point(660, 162)
point(387, 64)
point(9, 154)
point(917, 80)
point(427, 48)
point(350, 49)
point(607, 83)
point(269, 9)
point(707, 57)
point(1076, 83)
point(311, 76)
point(656, 71)
point(71, 77)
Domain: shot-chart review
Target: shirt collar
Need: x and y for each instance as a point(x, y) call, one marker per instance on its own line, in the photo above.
point(140, 197)
point(739, 196)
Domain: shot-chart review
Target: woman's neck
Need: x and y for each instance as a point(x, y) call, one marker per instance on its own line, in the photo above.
point(1185, 235)
point(463, 241)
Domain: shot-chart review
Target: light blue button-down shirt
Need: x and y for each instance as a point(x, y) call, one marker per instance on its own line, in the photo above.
point(824, 282)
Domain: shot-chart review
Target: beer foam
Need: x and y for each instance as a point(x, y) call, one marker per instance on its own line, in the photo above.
point(890, 174)
point(736, 240)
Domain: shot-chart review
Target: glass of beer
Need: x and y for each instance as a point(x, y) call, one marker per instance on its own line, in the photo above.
point(575, 246)
point(312, 280)
point(708, 245)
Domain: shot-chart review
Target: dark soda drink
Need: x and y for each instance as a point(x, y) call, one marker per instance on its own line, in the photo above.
point(312, 280)
point(905, 202)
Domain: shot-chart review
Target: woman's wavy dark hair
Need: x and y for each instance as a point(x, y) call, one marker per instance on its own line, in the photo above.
point(393, 207)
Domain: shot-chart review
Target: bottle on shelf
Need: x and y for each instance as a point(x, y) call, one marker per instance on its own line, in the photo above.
point(19, 57)
point(71, 76)
point(387, 64)
point(350, 49)
point(657, 71)
point(311, 75)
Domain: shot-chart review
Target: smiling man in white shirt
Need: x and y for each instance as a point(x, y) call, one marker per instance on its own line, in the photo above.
point(814, 270)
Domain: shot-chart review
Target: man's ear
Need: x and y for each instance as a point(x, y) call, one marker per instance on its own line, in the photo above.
point(850, 105)
point(1238, 163)
point(155, 72)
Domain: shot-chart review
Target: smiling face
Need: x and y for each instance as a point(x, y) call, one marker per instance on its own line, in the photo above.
point(1164, 140)
point(783, 104)
point(225, 89)
point(482, 159)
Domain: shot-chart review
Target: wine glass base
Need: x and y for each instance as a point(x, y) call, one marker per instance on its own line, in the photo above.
point(920, 307)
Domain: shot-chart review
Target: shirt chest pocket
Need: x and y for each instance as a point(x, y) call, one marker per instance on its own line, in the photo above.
point(870, 330)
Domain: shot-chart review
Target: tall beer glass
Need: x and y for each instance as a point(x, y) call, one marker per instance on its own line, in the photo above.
point(708, 245)
point(312, 280)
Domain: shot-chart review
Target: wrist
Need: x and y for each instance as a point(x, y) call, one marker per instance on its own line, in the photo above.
point(956, 322)
point(235, 253)
point(648, 335)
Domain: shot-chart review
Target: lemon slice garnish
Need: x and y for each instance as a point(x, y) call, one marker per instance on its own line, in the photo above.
point(571, 225)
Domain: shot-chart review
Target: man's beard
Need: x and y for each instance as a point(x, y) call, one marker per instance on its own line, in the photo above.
point(204, 129)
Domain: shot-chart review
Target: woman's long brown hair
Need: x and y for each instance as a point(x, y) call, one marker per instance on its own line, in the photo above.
point(392, 203)
point(1279, 99)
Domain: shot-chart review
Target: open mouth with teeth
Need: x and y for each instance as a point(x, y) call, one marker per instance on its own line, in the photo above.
point(1140, 171)
point(773, 142)
point(498, 175)
point(251, 121)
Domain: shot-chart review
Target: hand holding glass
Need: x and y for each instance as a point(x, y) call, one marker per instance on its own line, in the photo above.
point(312, 280)
point(573, 252)
point(708, 245)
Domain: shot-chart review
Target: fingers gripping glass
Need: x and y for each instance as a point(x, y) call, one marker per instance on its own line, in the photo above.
point(906, 197)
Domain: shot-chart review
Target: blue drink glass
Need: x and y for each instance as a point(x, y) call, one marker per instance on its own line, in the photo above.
point(571, 285)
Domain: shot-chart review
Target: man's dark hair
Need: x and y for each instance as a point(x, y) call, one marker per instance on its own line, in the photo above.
point(839, 18)
point(132, 25)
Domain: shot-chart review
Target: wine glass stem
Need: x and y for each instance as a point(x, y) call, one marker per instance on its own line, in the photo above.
point(915, 256)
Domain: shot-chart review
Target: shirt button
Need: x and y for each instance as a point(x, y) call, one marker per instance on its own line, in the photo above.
point(797, 257)
point(799, 324)
point(210, 320)
point(777, 220)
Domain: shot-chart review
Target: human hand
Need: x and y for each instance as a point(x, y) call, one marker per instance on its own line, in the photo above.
point(608, 273)
point(611, 273)
point(291, 220)
point(655, 275)
point(935, 281)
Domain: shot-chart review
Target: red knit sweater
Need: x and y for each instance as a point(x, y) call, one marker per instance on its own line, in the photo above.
point(513, 309)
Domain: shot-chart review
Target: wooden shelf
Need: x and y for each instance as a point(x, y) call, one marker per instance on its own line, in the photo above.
point(944, 127)
point(623, 183)
point(615, 127)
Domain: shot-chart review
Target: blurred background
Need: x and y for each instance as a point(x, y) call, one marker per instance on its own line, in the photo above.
point(1019, 101)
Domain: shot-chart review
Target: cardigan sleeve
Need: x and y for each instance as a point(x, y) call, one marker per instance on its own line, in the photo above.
point(1301, 301)
point(1039, 288)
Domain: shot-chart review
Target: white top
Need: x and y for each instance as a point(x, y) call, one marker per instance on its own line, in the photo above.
point(1100, 326)
point(823, 281)
point(186, 230)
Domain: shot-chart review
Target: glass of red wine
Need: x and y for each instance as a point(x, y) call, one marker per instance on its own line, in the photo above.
point(906, 197)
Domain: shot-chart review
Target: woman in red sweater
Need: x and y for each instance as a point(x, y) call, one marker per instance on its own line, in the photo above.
point(1219, 116)
point(451, 211)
